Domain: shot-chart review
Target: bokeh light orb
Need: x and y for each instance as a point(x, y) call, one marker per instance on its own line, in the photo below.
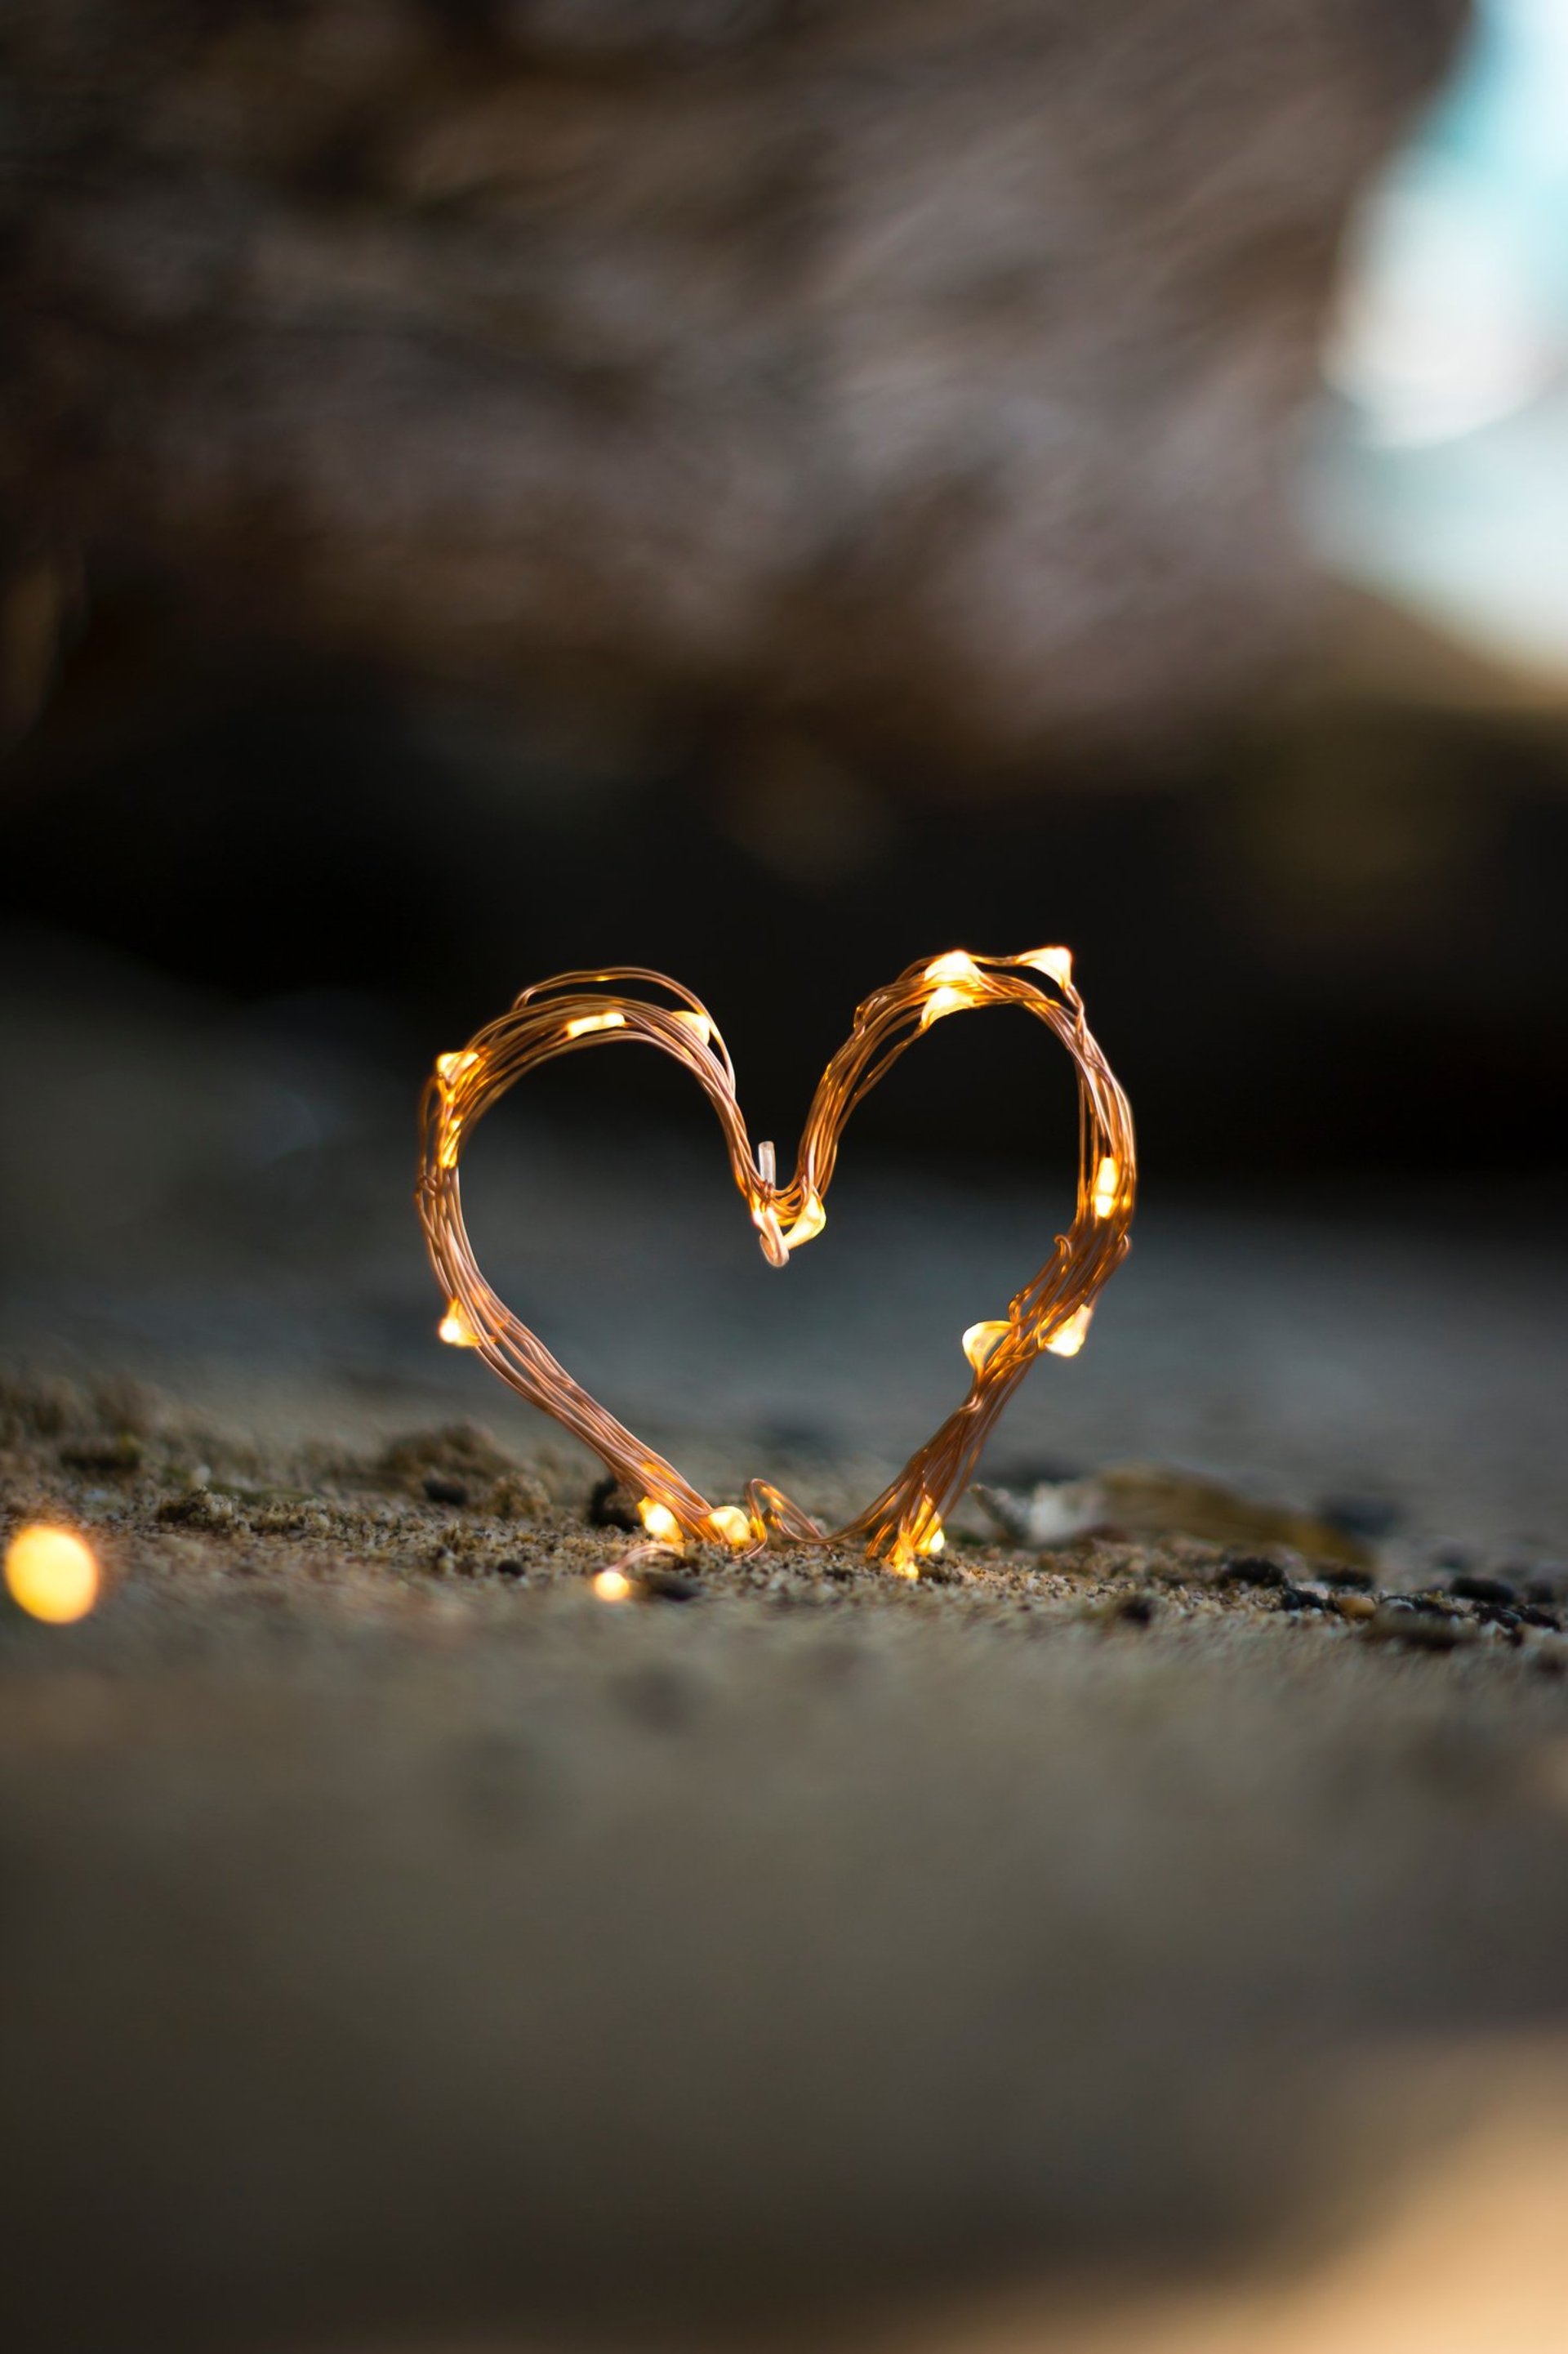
point(52, 1574)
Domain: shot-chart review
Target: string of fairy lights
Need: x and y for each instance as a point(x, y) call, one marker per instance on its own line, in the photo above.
point(580, 1009)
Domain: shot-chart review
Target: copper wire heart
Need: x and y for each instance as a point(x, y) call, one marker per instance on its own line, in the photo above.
point(577, 1010)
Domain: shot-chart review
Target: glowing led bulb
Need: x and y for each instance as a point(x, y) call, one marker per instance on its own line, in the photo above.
point(1068, 1338)
point(455, 1330)
point(1055, 963)
point(698, 1022)
point(452, 1067)
point(946, 999)
point(586, 1022)
point(957, 965)
point(732, 1523)
point(51, 1574)
point(913, 1544)
point(1108, 1185)
point(981, 1339)
point(612, 1585)
point(659, 1521)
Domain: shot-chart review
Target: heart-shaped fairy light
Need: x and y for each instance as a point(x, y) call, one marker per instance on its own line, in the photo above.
point(1052, 1312)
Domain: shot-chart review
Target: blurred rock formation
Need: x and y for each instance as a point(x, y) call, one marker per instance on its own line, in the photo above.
point(926, 370)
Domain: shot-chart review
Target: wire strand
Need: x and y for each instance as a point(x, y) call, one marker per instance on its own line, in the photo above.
point(577, 1010)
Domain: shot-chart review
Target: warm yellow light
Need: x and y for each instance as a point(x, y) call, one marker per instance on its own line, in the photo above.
point(612, 1585)
point(981, 1339)
point(1055, 963)
point(946, 999)
point(917, 1540)
point(1049, 1312)
point(52, 1575)
point(957, 965)
point(1068, 1338)
point(811, 1221)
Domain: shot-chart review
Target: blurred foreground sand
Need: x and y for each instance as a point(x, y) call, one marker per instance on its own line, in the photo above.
point(404, 1948)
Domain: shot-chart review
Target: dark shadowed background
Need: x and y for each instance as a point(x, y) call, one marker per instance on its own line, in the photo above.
point(769, 491)
point(763, 491)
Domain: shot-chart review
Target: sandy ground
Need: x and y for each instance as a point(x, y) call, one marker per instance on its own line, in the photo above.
point(403, 1946)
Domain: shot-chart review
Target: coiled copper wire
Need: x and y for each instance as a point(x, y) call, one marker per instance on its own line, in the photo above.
point(580, 1009)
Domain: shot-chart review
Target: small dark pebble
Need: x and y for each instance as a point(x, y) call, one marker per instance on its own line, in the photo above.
point(668, 1585)
point(935, 1572)
point(1531, 1614)
point(1469, 1588)
point(1347, 1581)
point(609, 1507)
point(442, 1490)
point(1497, 1614)
point(197, 1508)
point(1250, 1569)
point(1135, 1610)
point(1364, 1516)
point(1301, 1597)
point(510, 1567)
